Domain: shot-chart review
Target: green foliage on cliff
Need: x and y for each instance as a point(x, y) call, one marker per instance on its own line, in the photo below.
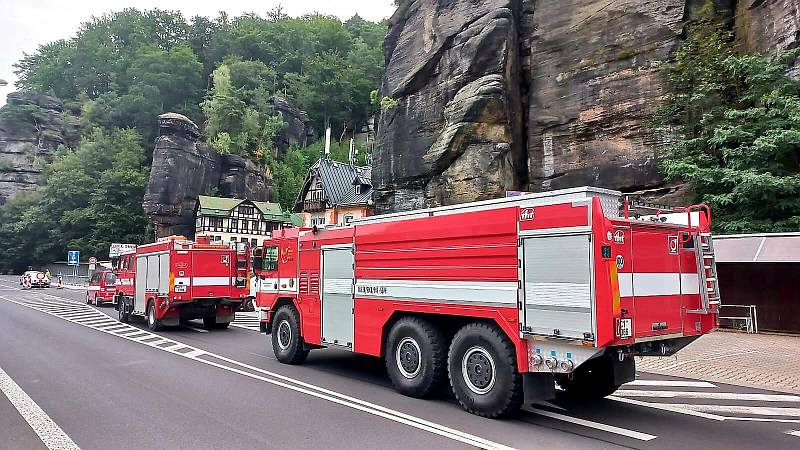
point(89, 197)
point(126, 68)
point(733, 126)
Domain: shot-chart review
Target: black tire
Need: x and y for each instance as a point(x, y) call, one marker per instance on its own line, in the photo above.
point(287, 343)
point(416, 357)
point(494, 393)
point(123, 316)
point(96, 301)
point(595, 378)
point(153, 324)
point(222, 326)
point(209, 323)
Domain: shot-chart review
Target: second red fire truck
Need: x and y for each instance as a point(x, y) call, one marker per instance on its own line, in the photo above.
point(502, 299)
point(176, 280)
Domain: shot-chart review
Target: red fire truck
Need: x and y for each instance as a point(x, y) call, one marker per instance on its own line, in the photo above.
point(176, 280)
point(504, 297)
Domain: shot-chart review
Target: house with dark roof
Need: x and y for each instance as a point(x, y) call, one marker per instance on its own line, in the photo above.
point(334, 193)
point(236, 220)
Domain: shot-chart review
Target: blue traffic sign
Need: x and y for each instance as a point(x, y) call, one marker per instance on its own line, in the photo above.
point(73, 257)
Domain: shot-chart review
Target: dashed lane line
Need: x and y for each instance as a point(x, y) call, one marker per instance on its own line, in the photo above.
point(664, 407)
point(295, 385)
point(596, 425)
point(709, 395)
point(52, 436)
point(671, 383)
point(752, 410)
point(795, 433)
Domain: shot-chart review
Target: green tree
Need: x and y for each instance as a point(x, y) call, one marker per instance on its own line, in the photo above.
point(733, 126)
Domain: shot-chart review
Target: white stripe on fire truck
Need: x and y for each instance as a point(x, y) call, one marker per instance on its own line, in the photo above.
point(651, 284)
point(498, 292)
point(211, 281)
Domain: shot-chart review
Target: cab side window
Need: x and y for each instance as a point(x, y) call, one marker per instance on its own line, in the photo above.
point(270, 262)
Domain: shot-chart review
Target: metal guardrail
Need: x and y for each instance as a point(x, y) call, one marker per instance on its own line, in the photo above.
point(750, 320)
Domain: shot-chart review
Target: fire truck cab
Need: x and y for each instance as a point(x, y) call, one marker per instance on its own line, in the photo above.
point(176, 280)
point(504, 298)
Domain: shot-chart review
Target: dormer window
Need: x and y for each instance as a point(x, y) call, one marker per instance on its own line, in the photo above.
point(358, 189)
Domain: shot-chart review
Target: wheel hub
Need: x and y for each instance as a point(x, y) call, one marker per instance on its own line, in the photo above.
point(407, 357)
point(478, 369)
point(284, 335)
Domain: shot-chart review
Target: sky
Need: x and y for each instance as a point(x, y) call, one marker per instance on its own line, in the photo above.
point(26, 24)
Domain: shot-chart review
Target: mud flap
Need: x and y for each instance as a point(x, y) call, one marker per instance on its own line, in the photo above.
point(624, 371)
point(538, 387)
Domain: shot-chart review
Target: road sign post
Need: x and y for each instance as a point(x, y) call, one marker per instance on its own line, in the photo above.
point(74, 260)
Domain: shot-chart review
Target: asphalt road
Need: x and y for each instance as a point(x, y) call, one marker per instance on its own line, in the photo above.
point(99, 384)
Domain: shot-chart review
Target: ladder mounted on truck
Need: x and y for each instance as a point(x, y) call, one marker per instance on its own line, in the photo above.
point(709, 282)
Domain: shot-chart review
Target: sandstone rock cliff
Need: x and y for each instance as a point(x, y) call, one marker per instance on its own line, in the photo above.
point(184, 168)
point(30, 129)
point(494, 95)
point(298, 131)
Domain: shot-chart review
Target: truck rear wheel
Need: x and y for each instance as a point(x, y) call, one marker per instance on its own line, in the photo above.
point(153, 324)
point(286, 340)
point(416, 357)
point(483, 373)
point(598, 377)
point(122, 314)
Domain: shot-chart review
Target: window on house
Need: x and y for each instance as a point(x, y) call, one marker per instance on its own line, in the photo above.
point(317, 221)
point(358, 189)
point(348, 219)
point(234, 225)
point(255, 226)
point(253, 242)
point(246, 210)
point(244, 226)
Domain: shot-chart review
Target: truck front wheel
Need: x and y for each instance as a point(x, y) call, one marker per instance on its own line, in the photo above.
point(416, 357)
point(482, 370)
point(286, 340)
point(153, 324)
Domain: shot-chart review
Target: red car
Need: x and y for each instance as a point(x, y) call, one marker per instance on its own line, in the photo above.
point(102, 288)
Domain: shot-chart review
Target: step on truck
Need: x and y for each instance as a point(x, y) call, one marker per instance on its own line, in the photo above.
point(176, 280)
point(502, 299)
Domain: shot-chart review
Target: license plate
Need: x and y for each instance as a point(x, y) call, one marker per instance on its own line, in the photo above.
point(625, 328)
point(180, 288)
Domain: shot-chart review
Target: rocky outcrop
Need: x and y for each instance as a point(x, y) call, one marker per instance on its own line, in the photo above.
point(298, 131)
point(185, 168)
point(767, 26)
point(489, 95)
point(455, 132)
point(593, 90)
point(31, 127)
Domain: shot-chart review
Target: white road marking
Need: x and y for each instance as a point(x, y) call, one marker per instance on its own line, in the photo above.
point(596, 425)
point(671, 383)
point(730, 409)
point(665, 407)
point(52, 436)
point(795, 433)
point(305, 388)
point(709, 395)
point(712, 358)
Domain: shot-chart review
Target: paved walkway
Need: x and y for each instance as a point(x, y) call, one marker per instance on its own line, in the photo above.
point(764, 361)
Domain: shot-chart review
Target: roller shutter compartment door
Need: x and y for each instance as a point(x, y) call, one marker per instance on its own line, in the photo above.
point(557, 286)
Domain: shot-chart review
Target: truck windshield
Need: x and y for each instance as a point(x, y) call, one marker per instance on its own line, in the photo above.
point(110, 278)
point(270, 258)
